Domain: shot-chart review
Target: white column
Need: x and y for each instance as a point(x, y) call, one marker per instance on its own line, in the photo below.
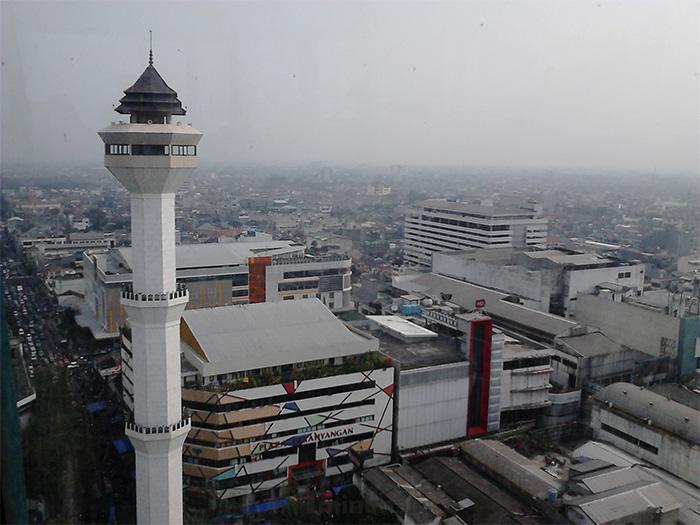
point(153, 242)
point(159, 475)
point(155, 332)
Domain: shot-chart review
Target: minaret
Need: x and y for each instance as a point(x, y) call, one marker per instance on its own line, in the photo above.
point(152, 157)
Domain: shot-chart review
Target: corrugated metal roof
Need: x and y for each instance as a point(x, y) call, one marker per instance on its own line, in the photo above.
point(612, 479)
point(409, 491)
point(643, 404)
point(616, 504)
point(252, 336)
point(510, 464)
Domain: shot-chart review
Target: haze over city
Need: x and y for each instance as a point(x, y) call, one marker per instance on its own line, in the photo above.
point(427, 263)
point(590, 85)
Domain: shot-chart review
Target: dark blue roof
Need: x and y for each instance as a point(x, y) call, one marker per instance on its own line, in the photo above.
point(123, 446)
point(97, 406)
point(265, 506)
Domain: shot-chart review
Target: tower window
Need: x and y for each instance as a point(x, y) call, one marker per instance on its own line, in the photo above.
point(178, 150)
point(117, 149)
point(148, 149)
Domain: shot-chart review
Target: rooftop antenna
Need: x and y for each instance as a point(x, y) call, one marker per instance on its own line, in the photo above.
point(150, 52)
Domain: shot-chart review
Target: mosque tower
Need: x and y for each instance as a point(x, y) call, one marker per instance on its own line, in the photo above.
point(152, 157)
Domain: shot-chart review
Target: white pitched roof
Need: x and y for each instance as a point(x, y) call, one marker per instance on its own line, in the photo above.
point(252, 336)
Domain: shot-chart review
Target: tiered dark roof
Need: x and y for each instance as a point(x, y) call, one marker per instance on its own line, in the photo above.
point(150, 95)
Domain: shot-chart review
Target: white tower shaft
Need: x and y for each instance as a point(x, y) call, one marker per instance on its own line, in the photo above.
point(153, 242)
point(154, 305)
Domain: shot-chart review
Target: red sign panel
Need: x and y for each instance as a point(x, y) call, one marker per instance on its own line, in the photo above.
point(256, 278)
point(480, 303)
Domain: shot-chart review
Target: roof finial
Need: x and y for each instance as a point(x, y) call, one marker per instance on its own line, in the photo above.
point(150, 52)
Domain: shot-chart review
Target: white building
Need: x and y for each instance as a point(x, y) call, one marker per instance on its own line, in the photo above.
point(326, 277)
point(217, 274)
point(152, 157)
point(61, 246)
point(378, 189)
point(433, 382)
point(524, 378)
point(440, 226)
point(649, 426)
point(547, 280)
point(81, 224)
point(670, 330)
point(283, 397)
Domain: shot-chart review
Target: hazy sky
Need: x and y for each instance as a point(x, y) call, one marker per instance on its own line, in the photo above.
point(536, 84)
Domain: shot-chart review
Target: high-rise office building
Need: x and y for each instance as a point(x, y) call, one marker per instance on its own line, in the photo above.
point(443, 226)
point(152, 157)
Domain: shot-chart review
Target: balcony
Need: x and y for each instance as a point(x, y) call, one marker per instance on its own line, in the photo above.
point(128, 294)
point(159, 430)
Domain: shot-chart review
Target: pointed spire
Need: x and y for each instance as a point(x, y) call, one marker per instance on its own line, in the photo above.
point(150, 52)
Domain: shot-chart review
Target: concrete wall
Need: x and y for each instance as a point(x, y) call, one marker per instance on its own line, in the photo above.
point(564, 408)
point(532, 285)
point(432, 405)
point(688, 347)
point(209, 293)
point(678, 456)
point(583, 280)
point(626, 324)
point(611, 368)
point(522, 390)
point(114, 313)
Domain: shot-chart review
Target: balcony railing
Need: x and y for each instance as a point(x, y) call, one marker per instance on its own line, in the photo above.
point(307, 260)
point(353, 364)
point(129, 294)
point(163, 429)
point(439, 317)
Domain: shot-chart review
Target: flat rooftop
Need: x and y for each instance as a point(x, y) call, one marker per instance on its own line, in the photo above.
point(221, 254)
point(576, 259)
point(537, 325)
point(194, 260)
point(419, 354)
point(515, 349)
point(479, 210)
point(401, 328)
point(591, 344)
